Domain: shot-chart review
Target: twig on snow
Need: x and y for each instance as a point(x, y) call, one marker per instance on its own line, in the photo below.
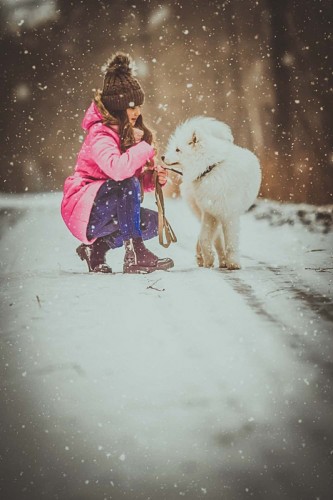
point(154, 288)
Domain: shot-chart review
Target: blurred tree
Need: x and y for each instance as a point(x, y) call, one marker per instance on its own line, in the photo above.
point(301, 57)
point(263, 67)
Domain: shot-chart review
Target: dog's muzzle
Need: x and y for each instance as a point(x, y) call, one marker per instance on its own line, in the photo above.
point(170, 165)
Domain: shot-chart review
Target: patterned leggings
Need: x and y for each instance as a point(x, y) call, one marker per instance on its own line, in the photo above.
point(117, 216)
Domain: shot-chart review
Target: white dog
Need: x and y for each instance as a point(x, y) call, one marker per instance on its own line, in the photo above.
point(220, 182)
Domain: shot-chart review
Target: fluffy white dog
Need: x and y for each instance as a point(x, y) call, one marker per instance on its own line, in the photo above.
point(220, 182)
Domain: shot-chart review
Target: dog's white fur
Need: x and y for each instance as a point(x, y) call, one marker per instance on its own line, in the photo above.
point(220, 196)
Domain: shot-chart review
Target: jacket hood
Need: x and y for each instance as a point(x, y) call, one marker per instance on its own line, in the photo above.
point(91, 116)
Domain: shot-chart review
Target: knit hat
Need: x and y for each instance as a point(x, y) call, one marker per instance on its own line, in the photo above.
point(120, 89)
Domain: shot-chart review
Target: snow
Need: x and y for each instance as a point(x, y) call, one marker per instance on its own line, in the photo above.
point(29, 12)
point(194, 382)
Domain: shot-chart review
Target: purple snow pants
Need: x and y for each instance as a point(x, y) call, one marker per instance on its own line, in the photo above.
point(116, 214)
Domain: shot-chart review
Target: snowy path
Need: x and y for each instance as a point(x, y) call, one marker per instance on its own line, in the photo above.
point(195, 383)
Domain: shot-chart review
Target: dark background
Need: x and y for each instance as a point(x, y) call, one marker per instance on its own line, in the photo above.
point(264, 67)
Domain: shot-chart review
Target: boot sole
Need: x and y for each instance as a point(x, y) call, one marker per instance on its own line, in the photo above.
point(102, 269)
point(165, 266)
point(138, 270)
point(146, 270)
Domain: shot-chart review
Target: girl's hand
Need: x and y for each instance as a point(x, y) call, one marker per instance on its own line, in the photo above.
point(150, 164)
point(162, 175)
point(138, 134)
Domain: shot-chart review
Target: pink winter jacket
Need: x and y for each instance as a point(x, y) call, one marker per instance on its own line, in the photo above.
point(99, 159)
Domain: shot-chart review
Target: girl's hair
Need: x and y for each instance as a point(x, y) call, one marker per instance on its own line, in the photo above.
point(126, 130)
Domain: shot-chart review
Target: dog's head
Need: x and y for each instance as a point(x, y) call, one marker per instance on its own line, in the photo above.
point(197, 142)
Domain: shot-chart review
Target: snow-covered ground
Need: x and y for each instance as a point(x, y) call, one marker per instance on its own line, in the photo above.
point(195, 383)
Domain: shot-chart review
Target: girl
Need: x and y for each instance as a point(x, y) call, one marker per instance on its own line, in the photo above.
point(101, 202)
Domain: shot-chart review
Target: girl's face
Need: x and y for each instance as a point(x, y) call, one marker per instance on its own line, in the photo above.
point(133, 114)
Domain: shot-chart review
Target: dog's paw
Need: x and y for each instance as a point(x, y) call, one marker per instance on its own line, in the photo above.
point(233, 265)
point(199, 260)
point(208, 261)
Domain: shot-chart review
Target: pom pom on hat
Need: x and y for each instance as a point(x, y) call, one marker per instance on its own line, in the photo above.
point(120, 89)
point(120, 63)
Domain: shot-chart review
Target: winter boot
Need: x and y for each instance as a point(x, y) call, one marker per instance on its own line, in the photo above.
point(139, 260)
point(94, 255)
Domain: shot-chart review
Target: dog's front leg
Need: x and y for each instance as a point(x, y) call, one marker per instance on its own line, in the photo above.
point(219, 246)
point(199, 256)
point(231, 239)
point(208, 228)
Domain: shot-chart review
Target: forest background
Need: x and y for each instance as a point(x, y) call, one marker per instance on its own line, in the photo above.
point(264, 67)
